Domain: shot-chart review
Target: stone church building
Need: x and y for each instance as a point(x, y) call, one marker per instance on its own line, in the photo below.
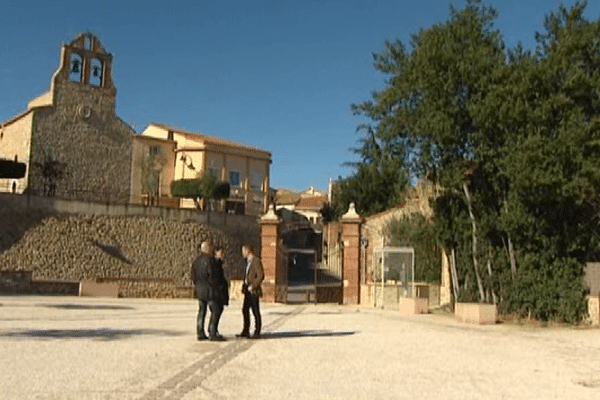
point(73, 143)
point(76, 147)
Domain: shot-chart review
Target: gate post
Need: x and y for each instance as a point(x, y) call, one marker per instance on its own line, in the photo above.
point(269, 239)
point(351, 224)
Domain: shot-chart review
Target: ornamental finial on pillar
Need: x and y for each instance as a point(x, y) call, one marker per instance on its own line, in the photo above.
point(270, 215)
point(351, 214)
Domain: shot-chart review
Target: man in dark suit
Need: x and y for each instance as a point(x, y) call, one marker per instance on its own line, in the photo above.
point(204, 277)
point(219, 293)
point(252, 291)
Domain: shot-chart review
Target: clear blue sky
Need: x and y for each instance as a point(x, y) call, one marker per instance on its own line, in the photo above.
point(280, 75)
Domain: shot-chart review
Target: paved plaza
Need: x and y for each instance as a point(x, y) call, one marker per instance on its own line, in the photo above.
point(84, 348)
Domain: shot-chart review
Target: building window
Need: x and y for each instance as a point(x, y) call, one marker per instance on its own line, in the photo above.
point(255, 181)
point(234, 178)
point(154, 151)
point(170, 135)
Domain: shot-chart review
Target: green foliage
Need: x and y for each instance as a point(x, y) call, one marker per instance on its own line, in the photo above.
point(512, 137)
point(203, 187)
point(371, 189)
point(380, 180)
point(186, 188)
point(548, 290)
point(328, 212)
point(221, 190)
point(150, 168)
point(417, 232)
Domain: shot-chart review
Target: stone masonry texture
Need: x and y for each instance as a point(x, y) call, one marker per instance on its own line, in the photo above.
point(95, 150)
point(147, 256)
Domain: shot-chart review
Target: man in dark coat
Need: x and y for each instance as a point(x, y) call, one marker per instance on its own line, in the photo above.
point(252, 289)
point(219, 289)
point(205, 278)
point(220, 280)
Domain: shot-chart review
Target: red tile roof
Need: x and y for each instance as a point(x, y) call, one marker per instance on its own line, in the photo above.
point(315, 203)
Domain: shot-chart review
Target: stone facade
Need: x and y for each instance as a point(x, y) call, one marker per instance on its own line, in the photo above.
point(75, 125)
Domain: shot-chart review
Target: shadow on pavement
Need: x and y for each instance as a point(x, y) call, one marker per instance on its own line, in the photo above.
point(309, 333)
point(99, 334)
point(87, 307)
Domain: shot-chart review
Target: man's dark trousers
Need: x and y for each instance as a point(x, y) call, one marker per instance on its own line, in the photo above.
point(216, 309)
point(251, 302)
point(202, 305)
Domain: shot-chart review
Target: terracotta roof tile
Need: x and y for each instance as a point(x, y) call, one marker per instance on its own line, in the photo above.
point(212, 139)
point(311, 203)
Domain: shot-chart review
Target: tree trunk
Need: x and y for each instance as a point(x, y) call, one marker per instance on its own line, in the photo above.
point(511, 252)
point(513, 261)
point(454, 274)
point(474, 225)
point(489, 268)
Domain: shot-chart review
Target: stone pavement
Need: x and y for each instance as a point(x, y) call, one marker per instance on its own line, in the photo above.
point(84, 348)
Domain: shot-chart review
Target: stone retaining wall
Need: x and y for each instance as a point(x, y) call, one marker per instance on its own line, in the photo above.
point(148, 256)
point(20, 282)
point(159, 288)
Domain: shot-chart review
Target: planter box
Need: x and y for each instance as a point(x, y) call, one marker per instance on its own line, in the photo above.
point(412, 306)
point(476, 313)
point(93, 289)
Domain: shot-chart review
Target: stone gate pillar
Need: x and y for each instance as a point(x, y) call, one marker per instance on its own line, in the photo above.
point(351, 224)
point(269, 239)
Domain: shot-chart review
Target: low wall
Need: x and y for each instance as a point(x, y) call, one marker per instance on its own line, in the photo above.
point(20, 282)
point(371, 294)
point(476, 313)
point(149, 287)
point(594, 309)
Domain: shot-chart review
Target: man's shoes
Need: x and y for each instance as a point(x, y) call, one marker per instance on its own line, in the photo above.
point(243, 335)
point(255, 335)
point(202, 337)
point(217, 338)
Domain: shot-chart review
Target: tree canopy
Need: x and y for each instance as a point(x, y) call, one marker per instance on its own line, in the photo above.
point(203, 187)
point(512, 136)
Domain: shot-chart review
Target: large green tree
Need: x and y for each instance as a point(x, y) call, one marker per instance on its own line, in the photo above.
point(512, 137)
point(381, 176)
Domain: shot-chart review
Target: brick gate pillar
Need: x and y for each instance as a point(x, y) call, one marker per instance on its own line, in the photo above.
point(269, 239)
point(351, 224)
